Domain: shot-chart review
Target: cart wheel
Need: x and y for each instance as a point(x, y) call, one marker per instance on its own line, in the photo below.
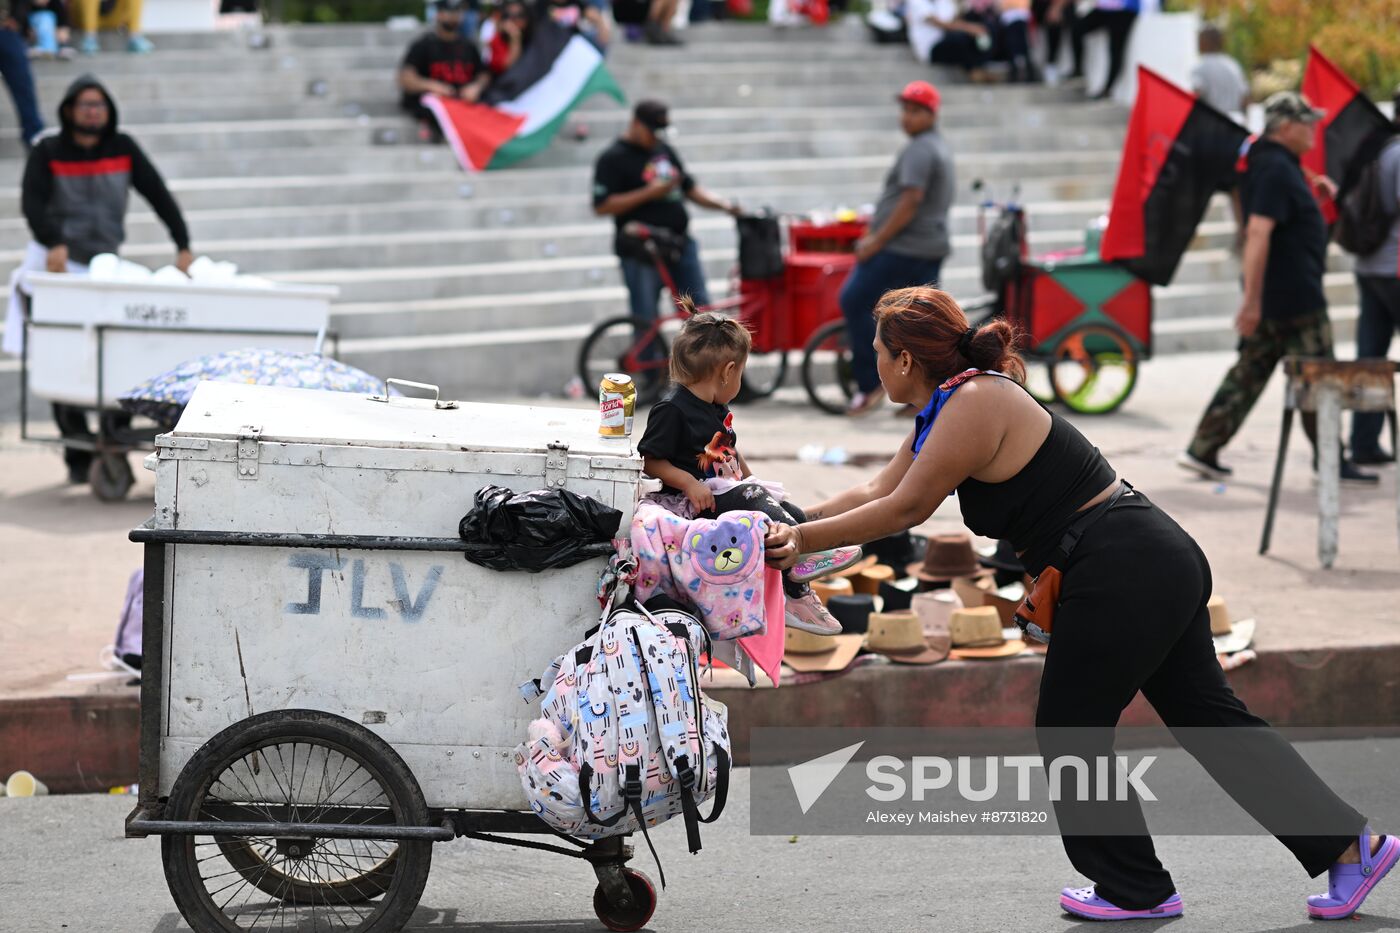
point(296, 766)
point(826, 368)
point(763, 375)
point(626, 345)
point(110, 477)
point(633, 918)
point(1093, 369)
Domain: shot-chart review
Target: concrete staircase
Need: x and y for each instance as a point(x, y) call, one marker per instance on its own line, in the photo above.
point(293, 162)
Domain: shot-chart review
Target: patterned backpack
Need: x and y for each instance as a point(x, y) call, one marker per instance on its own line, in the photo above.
point(626, 739)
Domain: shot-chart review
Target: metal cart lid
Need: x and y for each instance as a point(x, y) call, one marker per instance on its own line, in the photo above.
point(348, 419)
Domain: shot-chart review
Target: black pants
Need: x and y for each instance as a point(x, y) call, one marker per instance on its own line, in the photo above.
point(1119, 24)
point(1380, 319)
point(1054, 32)
point(1132, 617)
point(960, 49)
point(751, 497)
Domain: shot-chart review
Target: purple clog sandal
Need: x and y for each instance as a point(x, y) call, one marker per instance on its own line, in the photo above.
point(1348, 885)
point(1083, 902)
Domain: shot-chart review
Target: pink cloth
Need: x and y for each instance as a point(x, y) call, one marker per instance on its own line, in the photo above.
point(715, 565)
point(766, 649)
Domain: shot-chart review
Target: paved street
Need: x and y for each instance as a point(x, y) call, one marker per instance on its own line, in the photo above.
point(65, 866)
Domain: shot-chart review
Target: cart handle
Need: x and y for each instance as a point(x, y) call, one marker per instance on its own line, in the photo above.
point(438, 402)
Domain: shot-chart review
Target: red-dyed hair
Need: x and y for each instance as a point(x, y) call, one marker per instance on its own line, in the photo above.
point(928, 324)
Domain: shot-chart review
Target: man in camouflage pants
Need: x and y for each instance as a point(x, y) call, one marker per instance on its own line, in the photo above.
point(1284, 310)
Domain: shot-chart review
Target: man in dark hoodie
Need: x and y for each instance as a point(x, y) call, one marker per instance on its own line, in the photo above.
point(74, 196)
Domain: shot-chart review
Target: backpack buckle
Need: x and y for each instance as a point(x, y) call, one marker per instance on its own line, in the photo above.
point(632, 784)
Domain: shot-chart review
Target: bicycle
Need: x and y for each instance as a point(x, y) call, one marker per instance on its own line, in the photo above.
point(639, 346)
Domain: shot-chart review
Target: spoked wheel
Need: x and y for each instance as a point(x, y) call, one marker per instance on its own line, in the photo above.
point(626, 345)
point(110, 476)
point(826, 368)
point(627, 919)
point(763, 375)
point(296, 766)
point(1093, 369)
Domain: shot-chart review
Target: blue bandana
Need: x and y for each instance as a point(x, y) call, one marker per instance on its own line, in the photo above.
point(923, 421)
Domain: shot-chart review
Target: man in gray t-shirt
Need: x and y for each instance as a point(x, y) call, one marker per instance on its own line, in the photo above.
point(1378, 285)
point(908, 236)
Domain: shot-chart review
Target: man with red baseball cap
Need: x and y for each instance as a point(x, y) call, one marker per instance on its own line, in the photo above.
point(908, 236)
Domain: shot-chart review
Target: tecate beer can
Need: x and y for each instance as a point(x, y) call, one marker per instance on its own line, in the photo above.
point(617, 404)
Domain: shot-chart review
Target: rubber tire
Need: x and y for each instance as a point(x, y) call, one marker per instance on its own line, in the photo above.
point(110, 477)
point(373, 883)
point(646, 393)
point(751, 390)
point(182, 877)
point(1130, 356)
point(819, 337)
point(645, 893)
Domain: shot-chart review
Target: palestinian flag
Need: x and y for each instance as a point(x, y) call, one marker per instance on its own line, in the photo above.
point(1350, 119)
point(524, 107)
point(1179, 151)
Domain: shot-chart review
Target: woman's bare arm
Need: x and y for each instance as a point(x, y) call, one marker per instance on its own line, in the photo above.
point(964, 440)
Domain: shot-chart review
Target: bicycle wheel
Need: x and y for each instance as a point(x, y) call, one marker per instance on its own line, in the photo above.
point(763, 375)
point(826, 368)
point(1093, 369)
point(299, 766)
point(626, 345)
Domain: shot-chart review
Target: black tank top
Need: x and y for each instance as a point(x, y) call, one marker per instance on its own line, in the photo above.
point(1033, 508)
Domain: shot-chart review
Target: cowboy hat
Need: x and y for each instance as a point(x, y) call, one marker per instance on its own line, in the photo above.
point(831, 586)
point(899, 636)
point(897, 596)
point(869, 579)
point(807, 653)
point(947, 557)
point(1228, 636)
point(977, 634)
point(974, 590)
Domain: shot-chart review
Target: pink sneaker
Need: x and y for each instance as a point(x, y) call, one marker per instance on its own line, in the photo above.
point(807, 614)
point(820, 564)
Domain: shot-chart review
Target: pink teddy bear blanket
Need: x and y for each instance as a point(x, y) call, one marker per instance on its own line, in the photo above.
point(715, 565)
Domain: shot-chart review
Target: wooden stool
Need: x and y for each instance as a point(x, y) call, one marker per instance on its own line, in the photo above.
point(1327, 387)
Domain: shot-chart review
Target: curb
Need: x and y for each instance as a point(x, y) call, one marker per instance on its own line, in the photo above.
point(85, 744)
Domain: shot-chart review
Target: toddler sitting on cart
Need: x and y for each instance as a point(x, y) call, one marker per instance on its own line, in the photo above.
point(690, 445)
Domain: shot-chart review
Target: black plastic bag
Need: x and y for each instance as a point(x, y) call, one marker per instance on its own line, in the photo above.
point(536, 530)
point(760, 247)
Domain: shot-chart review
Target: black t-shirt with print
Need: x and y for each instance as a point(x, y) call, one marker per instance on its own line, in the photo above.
point(624, 167)
point(692, 435)
point(451, 61)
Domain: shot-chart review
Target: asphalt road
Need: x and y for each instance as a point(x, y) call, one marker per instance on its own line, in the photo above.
point(64, 865)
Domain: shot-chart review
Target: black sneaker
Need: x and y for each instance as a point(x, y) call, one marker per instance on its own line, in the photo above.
point(1375, 457)
point(1209, 469)
point(1350, 474)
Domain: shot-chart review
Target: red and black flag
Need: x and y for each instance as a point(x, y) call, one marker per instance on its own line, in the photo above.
point(1179, 151)
point(1351, 118)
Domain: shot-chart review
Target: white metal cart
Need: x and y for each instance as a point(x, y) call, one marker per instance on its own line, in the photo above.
point(88, 341)
point(329, 687)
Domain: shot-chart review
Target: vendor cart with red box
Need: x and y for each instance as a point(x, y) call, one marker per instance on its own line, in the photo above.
point(1085, 323)
point(782, 296)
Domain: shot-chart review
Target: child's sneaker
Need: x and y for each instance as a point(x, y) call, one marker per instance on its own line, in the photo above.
point(807, 614)
point(820, 564)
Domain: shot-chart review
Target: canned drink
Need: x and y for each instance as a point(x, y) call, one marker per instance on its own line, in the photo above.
point(617, 405)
